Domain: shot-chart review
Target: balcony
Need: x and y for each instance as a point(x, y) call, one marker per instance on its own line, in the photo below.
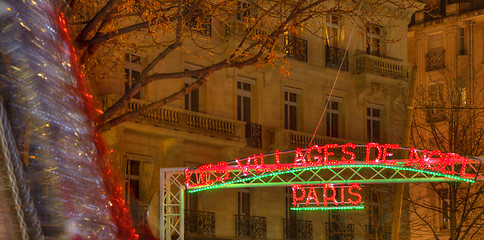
point(253, 135)
point(334, 57)
point(183, 120)
point(200, 223)
point(236, 27)
point(250, 227)
point(296, 48)
point(435, 60)
point(336, 231)
point(382, 67)
point(297, 229)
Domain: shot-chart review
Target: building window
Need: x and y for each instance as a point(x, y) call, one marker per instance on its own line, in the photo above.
point(444, 204)
point(132, 71)
point(244, 98)
point(373, 41)
point(243, 203)
point(333, 30)
point(192, 99)
point(373, 123)
point(291, 96)
point(436, 96)
point(462, 47)
point(243, 10)
point(132, 180)
point(332, 117)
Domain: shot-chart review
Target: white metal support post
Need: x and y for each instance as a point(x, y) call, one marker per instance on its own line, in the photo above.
point(172, 206)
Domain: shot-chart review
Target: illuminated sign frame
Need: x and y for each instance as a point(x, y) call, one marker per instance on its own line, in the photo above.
point(434, 162)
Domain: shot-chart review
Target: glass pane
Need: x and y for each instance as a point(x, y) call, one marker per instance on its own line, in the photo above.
point(376, 131)
point(368, 111)
point(194, 98)
point(286, 96)
point(126, 57)
point(135, 59)
point(286, 116)
point(246, 86)
point(376, 112)
point(239, 108)
point(135, 76)
point(134, 167)
point(293, 118)
point(246, 106)
point(239, 85)
point(187, 102)
point(134, 189)
point(292, 97)
point(328, 125)
point(334, 125)
point(334, 105)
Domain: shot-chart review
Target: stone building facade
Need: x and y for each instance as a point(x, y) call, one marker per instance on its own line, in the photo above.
point(241, 112)
point(445, 45)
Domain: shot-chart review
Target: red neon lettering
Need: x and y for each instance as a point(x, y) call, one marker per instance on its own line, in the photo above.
point(445, 162)
point(220, 169)
point(342, 193)
point(351, 154)
point(299, 157)
point(433, 153)
point(205, 174)
point(386, 154)
point(295, 198)
point(413, 158)
point(312, 195)
point(245, 169)
point(188, 175)
point(368, 152)
point(318, 158)
point(358, 196)
point(327, 154)
point(463, 173)
point(333, 195)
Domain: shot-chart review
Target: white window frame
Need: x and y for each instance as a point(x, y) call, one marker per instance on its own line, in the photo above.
point(244, 93)
point(370, 37)
point(329, 112)
point(189, 96)
point(240, 201)
point(131, 67)
point(289, 103)
point(333, 30)
point(373, 119)
point(141, 159)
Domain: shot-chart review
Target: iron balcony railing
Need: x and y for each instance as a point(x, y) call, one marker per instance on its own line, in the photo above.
point(201, 223)
point(334, 57)
point(337, 231)
point(297, 229)
point(250, 227)
point(296, 48)
point(435, 60)
point(253, 135)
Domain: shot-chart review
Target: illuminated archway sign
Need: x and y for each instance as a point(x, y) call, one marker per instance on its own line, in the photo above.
point(332, 167)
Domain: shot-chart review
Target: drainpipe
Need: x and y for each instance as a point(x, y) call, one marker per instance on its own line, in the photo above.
point(397, 205)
